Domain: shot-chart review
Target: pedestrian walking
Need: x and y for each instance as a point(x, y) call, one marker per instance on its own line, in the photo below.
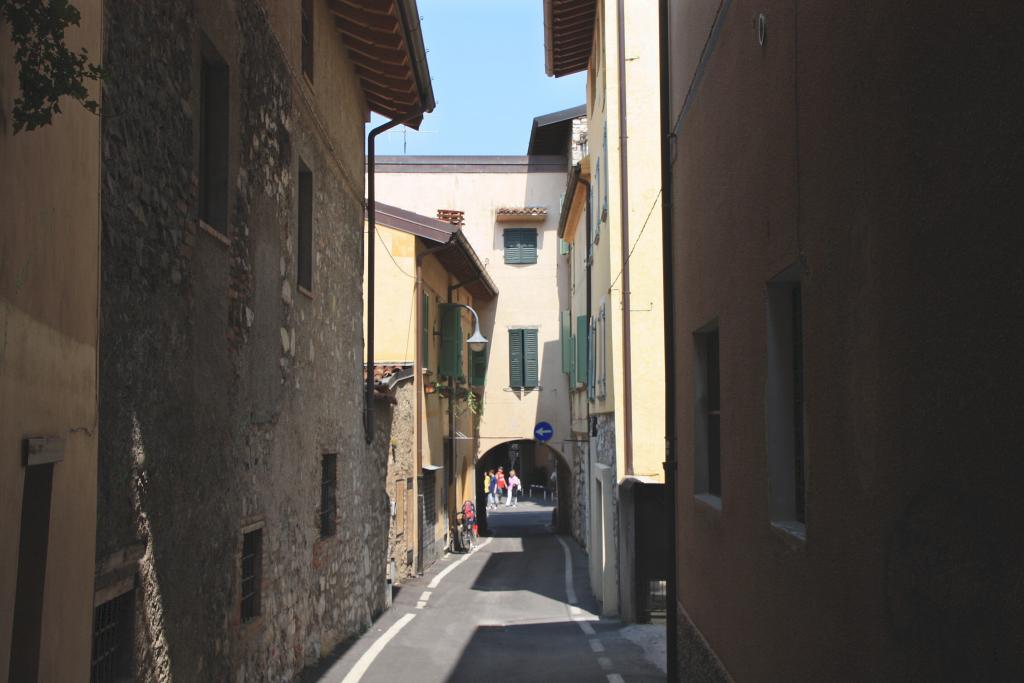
point(501, 487)
point(488, 475)
point(492, 491)
point(514, 487)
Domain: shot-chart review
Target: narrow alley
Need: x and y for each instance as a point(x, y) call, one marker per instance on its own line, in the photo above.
point(517, 607)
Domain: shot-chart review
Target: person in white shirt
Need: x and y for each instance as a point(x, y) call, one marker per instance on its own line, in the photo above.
point(514, 485)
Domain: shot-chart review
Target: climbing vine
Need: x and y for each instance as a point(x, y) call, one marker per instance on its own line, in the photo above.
point(47, 69)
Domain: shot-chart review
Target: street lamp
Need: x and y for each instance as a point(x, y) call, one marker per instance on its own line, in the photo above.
point(476, 341)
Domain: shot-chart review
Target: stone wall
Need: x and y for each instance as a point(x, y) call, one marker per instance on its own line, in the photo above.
point(402, 469)
point(580, 483)
point(221, 384)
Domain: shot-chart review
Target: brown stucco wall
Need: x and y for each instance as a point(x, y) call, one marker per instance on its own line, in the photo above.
point(49, 296)
point(873, 144)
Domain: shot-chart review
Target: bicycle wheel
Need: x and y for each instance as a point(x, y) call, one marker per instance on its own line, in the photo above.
point(467, 539)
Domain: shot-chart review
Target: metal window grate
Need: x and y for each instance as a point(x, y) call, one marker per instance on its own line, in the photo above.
point(252, 570)
point(328, 495)
point(112, 640)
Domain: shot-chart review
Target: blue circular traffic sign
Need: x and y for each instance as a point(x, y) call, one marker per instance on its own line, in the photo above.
point(543, 431)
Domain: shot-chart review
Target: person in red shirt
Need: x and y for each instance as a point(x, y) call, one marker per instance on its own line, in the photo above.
point(501, 483)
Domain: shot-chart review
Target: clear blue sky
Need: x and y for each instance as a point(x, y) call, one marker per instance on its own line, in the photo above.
point(486, 60)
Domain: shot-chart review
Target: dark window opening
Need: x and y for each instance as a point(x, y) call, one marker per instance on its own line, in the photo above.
point(785, 399)
point(33, 546)
point(252, 573)
point(305, 242)
point(213, 140)
point(113, 625)
point(328, 495)
point(708, 460)
point(307, 38)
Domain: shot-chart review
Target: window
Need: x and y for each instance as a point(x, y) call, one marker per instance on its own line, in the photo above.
point(520, 245)
point(252, 573)
point(425, 330)
point(328, 494)
point(213, 139)
point(522, 358)
point(477, 368)
point(707, 430)
point(785, 394)
point(565, 337)
point(600, 354)
point(113, 640)
point(33, 544)
point(307, 38)
point(595, 190)
point(305, 242)
point(450, 363)
point(583, 368)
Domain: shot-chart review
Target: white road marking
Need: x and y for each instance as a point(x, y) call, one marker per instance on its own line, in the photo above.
point(570, 591)
point(586, 628)
point(363, 664)
point(437, 579)
point(615, 678)
point(596, 645)
point(426, 596)
point(605, 662)
point(421, 604)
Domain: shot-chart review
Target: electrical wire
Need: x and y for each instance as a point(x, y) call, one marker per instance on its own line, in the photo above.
point(637, 241)
point(384, 244)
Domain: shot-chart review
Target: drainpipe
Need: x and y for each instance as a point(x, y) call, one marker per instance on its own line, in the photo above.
point(590, 448)
point(627, 348)
point(371, 221)
point(671, 611)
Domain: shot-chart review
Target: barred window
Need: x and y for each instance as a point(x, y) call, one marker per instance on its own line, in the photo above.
point(112, 636)
point(252, 573)
point(328, 495)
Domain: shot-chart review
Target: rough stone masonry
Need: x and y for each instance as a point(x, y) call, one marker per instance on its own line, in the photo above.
point(223, 386)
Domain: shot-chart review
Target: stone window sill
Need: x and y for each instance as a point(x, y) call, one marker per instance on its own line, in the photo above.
point(793, 533)
point(709, 501)
point(213, 232)
point(305, 292)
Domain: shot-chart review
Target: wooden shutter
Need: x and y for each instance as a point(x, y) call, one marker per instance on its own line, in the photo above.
point(515, 358)
point(528, 245)
point(477, 367)
point(451, 341)
point(425, 331)
point(565, 336)
point(530, 357)
point(582, 334)
point(572, 364)
point(513, 253)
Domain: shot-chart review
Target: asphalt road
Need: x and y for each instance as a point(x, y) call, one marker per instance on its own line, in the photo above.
point(505, 612)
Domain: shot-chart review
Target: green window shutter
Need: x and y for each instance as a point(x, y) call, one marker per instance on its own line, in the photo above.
point(565, 335)
point(591, 360)
point(582, 330)
point(477, 368)
point(515, 358)
point(572, 363)
point(563, 247)
point(531, 366)
point(528, 245)
point(513, 252)
point(451, 341)
point(425, 331)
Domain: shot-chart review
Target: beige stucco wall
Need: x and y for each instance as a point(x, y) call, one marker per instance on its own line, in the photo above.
point(49, 296)
point(529, 295)
point(643, 241)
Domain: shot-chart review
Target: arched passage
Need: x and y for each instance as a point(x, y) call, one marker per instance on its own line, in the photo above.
point(535, 463)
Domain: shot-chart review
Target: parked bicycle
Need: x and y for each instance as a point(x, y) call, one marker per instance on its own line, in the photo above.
point(464, 537)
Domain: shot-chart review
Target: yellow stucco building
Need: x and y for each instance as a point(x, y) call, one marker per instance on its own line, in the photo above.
point(428, 282)
point(611, 219)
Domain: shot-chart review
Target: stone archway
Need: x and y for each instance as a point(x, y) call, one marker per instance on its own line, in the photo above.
point(534, 461)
